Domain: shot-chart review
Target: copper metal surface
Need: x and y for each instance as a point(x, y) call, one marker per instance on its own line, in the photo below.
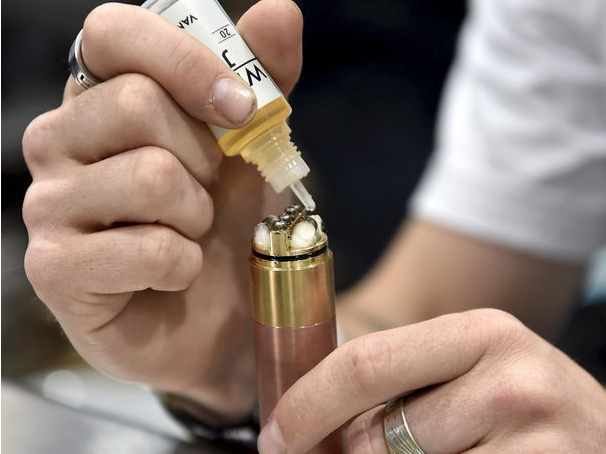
point(285, 354)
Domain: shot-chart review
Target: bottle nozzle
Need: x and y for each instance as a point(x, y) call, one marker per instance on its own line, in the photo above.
point(303, 195)
point(280, 162)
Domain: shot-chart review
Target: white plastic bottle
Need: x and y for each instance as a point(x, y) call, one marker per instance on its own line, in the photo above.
point(265, 141)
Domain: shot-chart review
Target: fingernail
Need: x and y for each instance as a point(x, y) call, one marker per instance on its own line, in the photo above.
point(270, 440)
point(233, 100)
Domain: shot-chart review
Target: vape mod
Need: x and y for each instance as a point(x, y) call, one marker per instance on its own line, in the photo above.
point(293, 305)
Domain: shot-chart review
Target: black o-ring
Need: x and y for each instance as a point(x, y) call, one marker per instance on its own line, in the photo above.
point(289, 258)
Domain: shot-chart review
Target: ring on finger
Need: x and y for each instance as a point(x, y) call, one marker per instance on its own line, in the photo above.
point(79, 71)
point(398, 438)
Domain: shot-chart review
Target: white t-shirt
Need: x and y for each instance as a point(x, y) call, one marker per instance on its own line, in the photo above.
point(521, 142)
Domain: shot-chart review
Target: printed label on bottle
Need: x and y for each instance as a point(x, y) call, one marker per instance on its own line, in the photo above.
point(206, 21)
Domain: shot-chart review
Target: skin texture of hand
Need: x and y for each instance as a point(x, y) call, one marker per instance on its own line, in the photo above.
point(138, 229)
point(486, 383)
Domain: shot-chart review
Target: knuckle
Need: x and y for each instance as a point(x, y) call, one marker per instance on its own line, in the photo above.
point(298, 408)
point(36, 139)
point(161, 251)
point(369, 359)
point(187, 58)
point(99, 25)
point(137, 99)
point(206, 212)
point(193, 258)
point(41, 199)
point(501, 328)
point(158, 248)
point(32, 208)
point(525, 392)
point(42, 256)
point(155, 174)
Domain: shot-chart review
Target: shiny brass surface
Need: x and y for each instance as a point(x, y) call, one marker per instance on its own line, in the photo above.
point(290, 294)
point(278, 244)
point(290, 288)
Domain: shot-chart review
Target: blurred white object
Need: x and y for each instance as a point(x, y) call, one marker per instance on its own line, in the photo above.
point(88, 390)
point(33, 424)
point(64, 386)
point(521, 149)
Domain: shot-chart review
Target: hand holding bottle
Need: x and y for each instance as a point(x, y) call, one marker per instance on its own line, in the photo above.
point(139, 231)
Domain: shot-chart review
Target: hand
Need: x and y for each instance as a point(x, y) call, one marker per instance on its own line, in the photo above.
point(129, 190)
point(486, 384)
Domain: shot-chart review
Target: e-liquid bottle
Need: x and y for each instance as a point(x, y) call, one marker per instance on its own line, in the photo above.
point(265, 140)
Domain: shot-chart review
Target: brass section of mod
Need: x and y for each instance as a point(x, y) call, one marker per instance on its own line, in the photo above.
point(290, 294)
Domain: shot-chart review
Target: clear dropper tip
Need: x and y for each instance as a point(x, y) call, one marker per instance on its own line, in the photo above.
point(303, 195)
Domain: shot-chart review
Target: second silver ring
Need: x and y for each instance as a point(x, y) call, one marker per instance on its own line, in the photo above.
point(398, 438)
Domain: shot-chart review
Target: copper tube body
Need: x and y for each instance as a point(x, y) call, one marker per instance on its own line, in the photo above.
point(284, 355)
point(294, 326)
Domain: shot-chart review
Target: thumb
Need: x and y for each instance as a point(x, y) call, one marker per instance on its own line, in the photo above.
point(273, 29)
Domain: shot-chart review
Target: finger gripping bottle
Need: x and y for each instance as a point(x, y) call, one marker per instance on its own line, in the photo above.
point(265, 140)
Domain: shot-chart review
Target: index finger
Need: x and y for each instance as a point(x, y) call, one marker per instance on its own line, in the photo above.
point(372, 369)
point(119, 39)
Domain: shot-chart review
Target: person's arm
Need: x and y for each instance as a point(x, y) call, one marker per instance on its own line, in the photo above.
point(430, 270)
point(513, 201)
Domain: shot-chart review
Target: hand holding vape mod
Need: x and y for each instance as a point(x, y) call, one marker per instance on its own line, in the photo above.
point(293, 306)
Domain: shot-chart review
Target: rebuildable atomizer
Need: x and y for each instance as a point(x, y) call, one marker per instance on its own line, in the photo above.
point(293, 305)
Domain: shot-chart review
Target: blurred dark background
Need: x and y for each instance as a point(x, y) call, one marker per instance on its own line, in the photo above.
point(364, 113)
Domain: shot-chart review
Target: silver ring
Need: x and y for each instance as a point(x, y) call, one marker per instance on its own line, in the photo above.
point(398, 438)
point(81, 74)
